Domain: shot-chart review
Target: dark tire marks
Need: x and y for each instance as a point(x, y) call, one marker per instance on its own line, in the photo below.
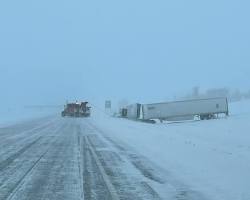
point(10, 159)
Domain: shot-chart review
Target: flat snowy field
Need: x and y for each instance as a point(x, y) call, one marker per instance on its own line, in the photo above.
point(212, 157)
point(9, 116)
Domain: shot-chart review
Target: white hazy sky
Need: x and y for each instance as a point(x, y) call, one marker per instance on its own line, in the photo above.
point(141, 50)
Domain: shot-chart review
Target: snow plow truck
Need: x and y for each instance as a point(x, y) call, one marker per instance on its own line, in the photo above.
point(78, 109)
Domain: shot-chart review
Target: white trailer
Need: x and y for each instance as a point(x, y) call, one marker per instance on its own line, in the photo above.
point(181, 110)
point(133, 111)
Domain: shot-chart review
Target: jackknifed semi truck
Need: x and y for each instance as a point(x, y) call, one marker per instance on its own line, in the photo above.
point(179, 110)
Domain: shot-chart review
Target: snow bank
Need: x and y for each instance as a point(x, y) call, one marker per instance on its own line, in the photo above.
point(212, 157)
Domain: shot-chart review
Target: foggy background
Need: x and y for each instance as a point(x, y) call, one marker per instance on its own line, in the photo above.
point(145, 51)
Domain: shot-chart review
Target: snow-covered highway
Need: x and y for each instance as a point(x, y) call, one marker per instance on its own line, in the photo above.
point(108, 158)
point(68, 158)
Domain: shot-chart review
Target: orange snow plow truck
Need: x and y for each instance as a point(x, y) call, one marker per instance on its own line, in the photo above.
point(78, 109)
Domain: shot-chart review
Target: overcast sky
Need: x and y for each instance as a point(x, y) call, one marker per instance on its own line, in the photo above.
point(53, 50)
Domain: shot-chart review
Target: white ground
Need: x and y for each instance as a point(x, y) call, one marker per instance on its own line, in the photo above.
point(67, 158)
point(12, 115)
point(212, 157)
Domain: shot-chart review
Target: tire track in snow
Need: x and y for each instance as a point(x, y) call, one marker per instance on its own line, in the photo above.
point(117, 169)
point(56, 175)
point(14, 176)
point(176, 189)
point(12, 149)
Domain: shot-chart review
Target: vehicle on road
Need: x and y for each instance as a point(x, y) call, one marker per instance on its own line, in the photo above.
point(77, 109)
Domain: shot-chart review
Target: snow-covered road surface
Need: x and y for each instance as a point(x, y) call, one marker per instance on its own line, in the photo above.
point(57, 158)
point(105, 158)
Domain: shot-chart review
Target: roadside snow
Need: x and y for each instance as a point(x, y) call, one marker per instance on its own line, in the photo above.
point(212, 157)
point(19, 114)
